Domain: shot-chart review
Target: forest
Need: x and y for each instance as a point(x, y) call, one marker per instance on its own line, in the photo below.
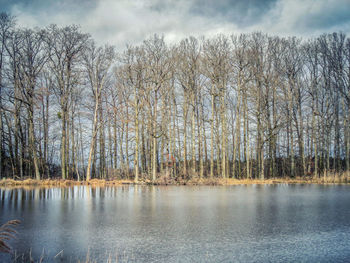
point(231, 106)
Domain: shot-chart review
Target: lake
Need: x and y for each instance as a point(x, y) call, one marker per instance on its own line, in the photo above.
point(248, 223)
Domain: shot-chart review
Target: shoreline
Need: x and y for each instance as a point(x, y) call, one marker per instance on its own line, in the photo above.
point(343, 179)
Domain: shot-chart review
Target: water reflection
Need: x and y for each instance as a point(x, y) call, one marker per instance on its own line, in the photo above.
point(240, 223)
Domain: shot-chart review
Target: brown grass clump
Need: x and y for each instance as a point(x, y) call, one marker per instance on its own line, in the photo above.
point(7, 233)
point(31, 182)
point(97, 182)
point(9, 182)
point(109, 182)
point(229, 181)
point(206, 181)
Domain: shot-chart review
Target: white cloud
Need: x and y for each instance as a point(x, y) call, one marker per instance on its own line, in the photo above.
point(121, 22)
point(307, 17)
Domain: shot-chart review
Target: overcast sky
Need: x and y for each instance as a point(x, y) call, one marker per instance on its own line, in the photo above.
point(120, 22)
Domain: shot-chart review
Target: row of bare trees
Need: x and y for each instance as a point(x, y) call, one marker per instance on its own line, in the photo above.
point(242, 106)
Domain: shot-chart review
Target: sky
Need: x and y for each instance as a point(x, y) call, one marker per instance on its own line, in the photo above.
point(121, 22)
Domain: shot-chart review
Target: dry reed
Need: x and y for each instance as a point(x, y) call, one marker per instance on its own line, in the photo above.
point(6, 234)
point(329, 178)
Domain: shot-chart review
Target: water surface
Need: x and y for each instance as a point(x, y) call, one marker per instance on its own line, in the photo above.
point(255, 223)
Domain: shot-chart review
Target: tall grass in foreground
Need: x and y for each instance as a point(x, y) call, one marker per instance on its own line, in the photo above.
point(6, 234)
point(59, 257)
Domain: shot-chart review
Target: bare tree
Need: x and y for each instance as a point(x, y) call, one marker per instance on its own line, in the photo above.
point(97, 63)
point(65, 46)
point(6, 26)
point(32, 59)
point(158, 68)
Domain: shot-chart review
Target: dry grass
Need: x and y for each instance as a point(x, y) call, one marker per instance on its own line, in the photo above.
point(7, 233)
point(330, 178)
point(60, 183)
point(59, 257)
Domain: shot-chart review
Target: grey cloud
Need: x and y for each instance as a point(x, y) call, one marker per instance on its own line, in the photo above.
point(122, 21)
point(327, 16)
point(307, 17)
point(244, 13)
point(49, 6)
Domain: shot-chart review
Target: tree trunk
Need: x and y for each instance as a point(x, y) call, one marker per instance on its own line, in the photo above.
point(154, 162)
point(223, 134)
point(93, 142)
point(63, 145)
point(193, 137)
point(185, 139)
point(212, 137)
point(32, 144)
point(136, 159)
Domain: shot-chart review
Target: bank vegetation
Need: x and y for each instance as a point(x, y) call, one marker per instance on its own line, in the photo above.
point(231, 107)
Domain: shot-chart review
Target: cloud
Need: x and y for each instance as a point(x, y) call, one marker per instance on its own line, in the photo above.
point(242, 13)
point(120, 22)
point(308, 17)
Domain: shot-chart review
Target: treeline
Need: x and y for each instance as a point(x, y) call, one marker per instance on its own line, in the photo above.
point(241, 106)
